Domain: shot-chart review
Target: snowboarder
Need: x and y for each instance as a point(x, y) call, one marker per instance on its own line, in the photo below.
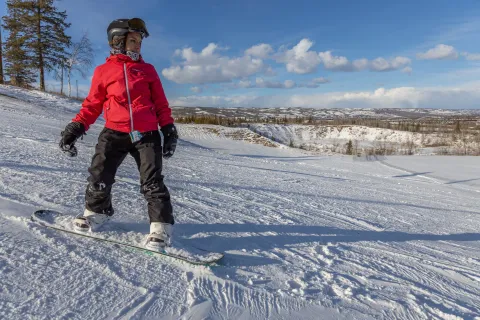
point(131, 96)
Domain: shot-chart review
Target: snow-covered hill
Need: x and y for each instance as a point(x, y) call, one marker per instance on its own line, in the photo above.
point(330, 113)
point(306, 236)
point(328, 140)
point(332, 139)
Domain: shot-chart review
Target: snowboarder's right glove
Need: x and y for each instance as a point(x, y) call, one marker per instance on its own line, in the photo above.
point(170, 137)
point(72, 132)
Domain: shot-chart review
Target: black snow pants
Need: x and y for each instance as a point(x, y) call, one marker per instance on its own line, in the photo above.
point(110, 151)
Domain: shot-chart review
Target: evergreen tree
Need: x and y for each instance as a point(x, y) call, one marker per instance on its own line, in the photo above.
point(18, 63)
point(349, 147)
point(49, 43)
point(457, 127)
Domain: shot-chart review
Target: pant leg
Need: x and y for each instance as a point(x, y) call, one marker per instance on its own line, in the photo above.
point(148, 155)
point(110, 151)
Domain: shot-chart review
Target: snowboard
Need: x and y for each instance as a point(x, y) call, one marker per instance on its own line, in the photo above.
point(62, 222)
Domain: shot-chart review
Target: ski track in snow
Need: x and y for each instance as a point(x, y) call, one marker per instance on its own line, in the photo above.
point(305, 235)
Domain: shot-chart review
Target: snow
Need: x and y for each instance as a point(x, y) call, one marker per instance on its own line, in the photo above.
point(327, 139)
point(330, 113)
point(310, 133)
point(306, 236)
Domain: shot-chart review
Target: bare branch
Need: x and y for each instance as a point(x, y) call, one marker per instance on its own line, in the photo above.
point(80, 59)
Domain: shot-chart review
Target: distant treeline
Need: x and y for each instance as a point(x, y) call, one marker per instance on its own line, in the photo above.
point(236, 121)
point(447, 124)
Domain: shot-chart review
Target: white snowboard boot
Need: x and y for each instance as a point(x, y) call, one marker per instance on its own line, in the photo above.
point(160, 236)
point(89, 221)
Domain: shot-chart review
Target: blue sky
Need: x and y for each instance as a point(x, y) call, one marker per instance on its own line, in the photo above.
point(300, 53)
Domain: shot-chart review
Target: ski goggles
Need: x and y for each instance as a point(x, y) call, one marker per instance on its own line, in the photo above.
point(138, 25)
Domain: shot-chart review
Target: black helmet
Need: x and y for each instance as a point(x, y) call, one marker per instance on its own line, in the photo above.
point(120, 27)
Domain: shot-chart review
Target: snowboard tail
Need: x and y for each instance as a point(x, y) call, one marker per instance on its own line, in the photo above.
point(58, 221)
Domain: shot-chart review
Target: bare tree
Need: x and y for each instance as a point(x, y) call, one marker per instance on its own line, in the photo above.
point(464, 139)
point(409, 146)
point(335, 145)
point(58, 74)
point(477, 143)
point(1, 58)
point(80, 60)
point(355, 148)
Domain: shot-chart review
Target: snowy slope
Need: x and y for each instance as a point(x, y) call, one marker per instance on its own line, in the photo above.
point(319, 134)
point(333, 138)
point(305, 236)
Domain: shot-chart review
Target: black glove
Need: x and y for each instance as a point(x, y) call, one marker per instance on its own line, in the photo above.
point(72, 132)
point(170, 137)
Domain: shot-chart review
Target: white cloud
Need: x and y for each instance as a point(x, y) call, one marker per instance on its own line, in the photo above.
point(300, 59)
point(440, 52)
point(314, 83)
point(334, 62)
point(471, 56)
point(288, 84)
point(407, 70)
point(262, 83)
point(209, 67)
point(320, 80)
point(196, 89)
point(382, 64)
point(338, 63)
point(360, 64)
point(214, 101)
point(269, 72)
point(463, 97)
point(243, 84)
point(262, 51)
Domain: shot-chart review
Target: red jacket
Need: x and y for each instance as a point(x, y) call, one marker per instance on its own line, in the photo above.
point(148, 104)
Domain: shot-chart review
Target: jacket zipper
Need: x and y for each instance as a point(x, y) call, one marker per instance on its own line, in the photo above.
point(128, 96)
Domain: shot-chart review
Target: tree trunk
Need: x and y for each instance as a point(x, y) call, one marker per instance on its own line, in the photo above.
point(1, 58)
point(69, 84)
point(61, 81)
point(40, 49)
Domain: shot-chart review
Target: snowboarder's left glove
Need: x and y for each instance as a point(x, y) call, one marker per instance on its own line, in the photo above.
point(72, 132)
point(170, 137)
